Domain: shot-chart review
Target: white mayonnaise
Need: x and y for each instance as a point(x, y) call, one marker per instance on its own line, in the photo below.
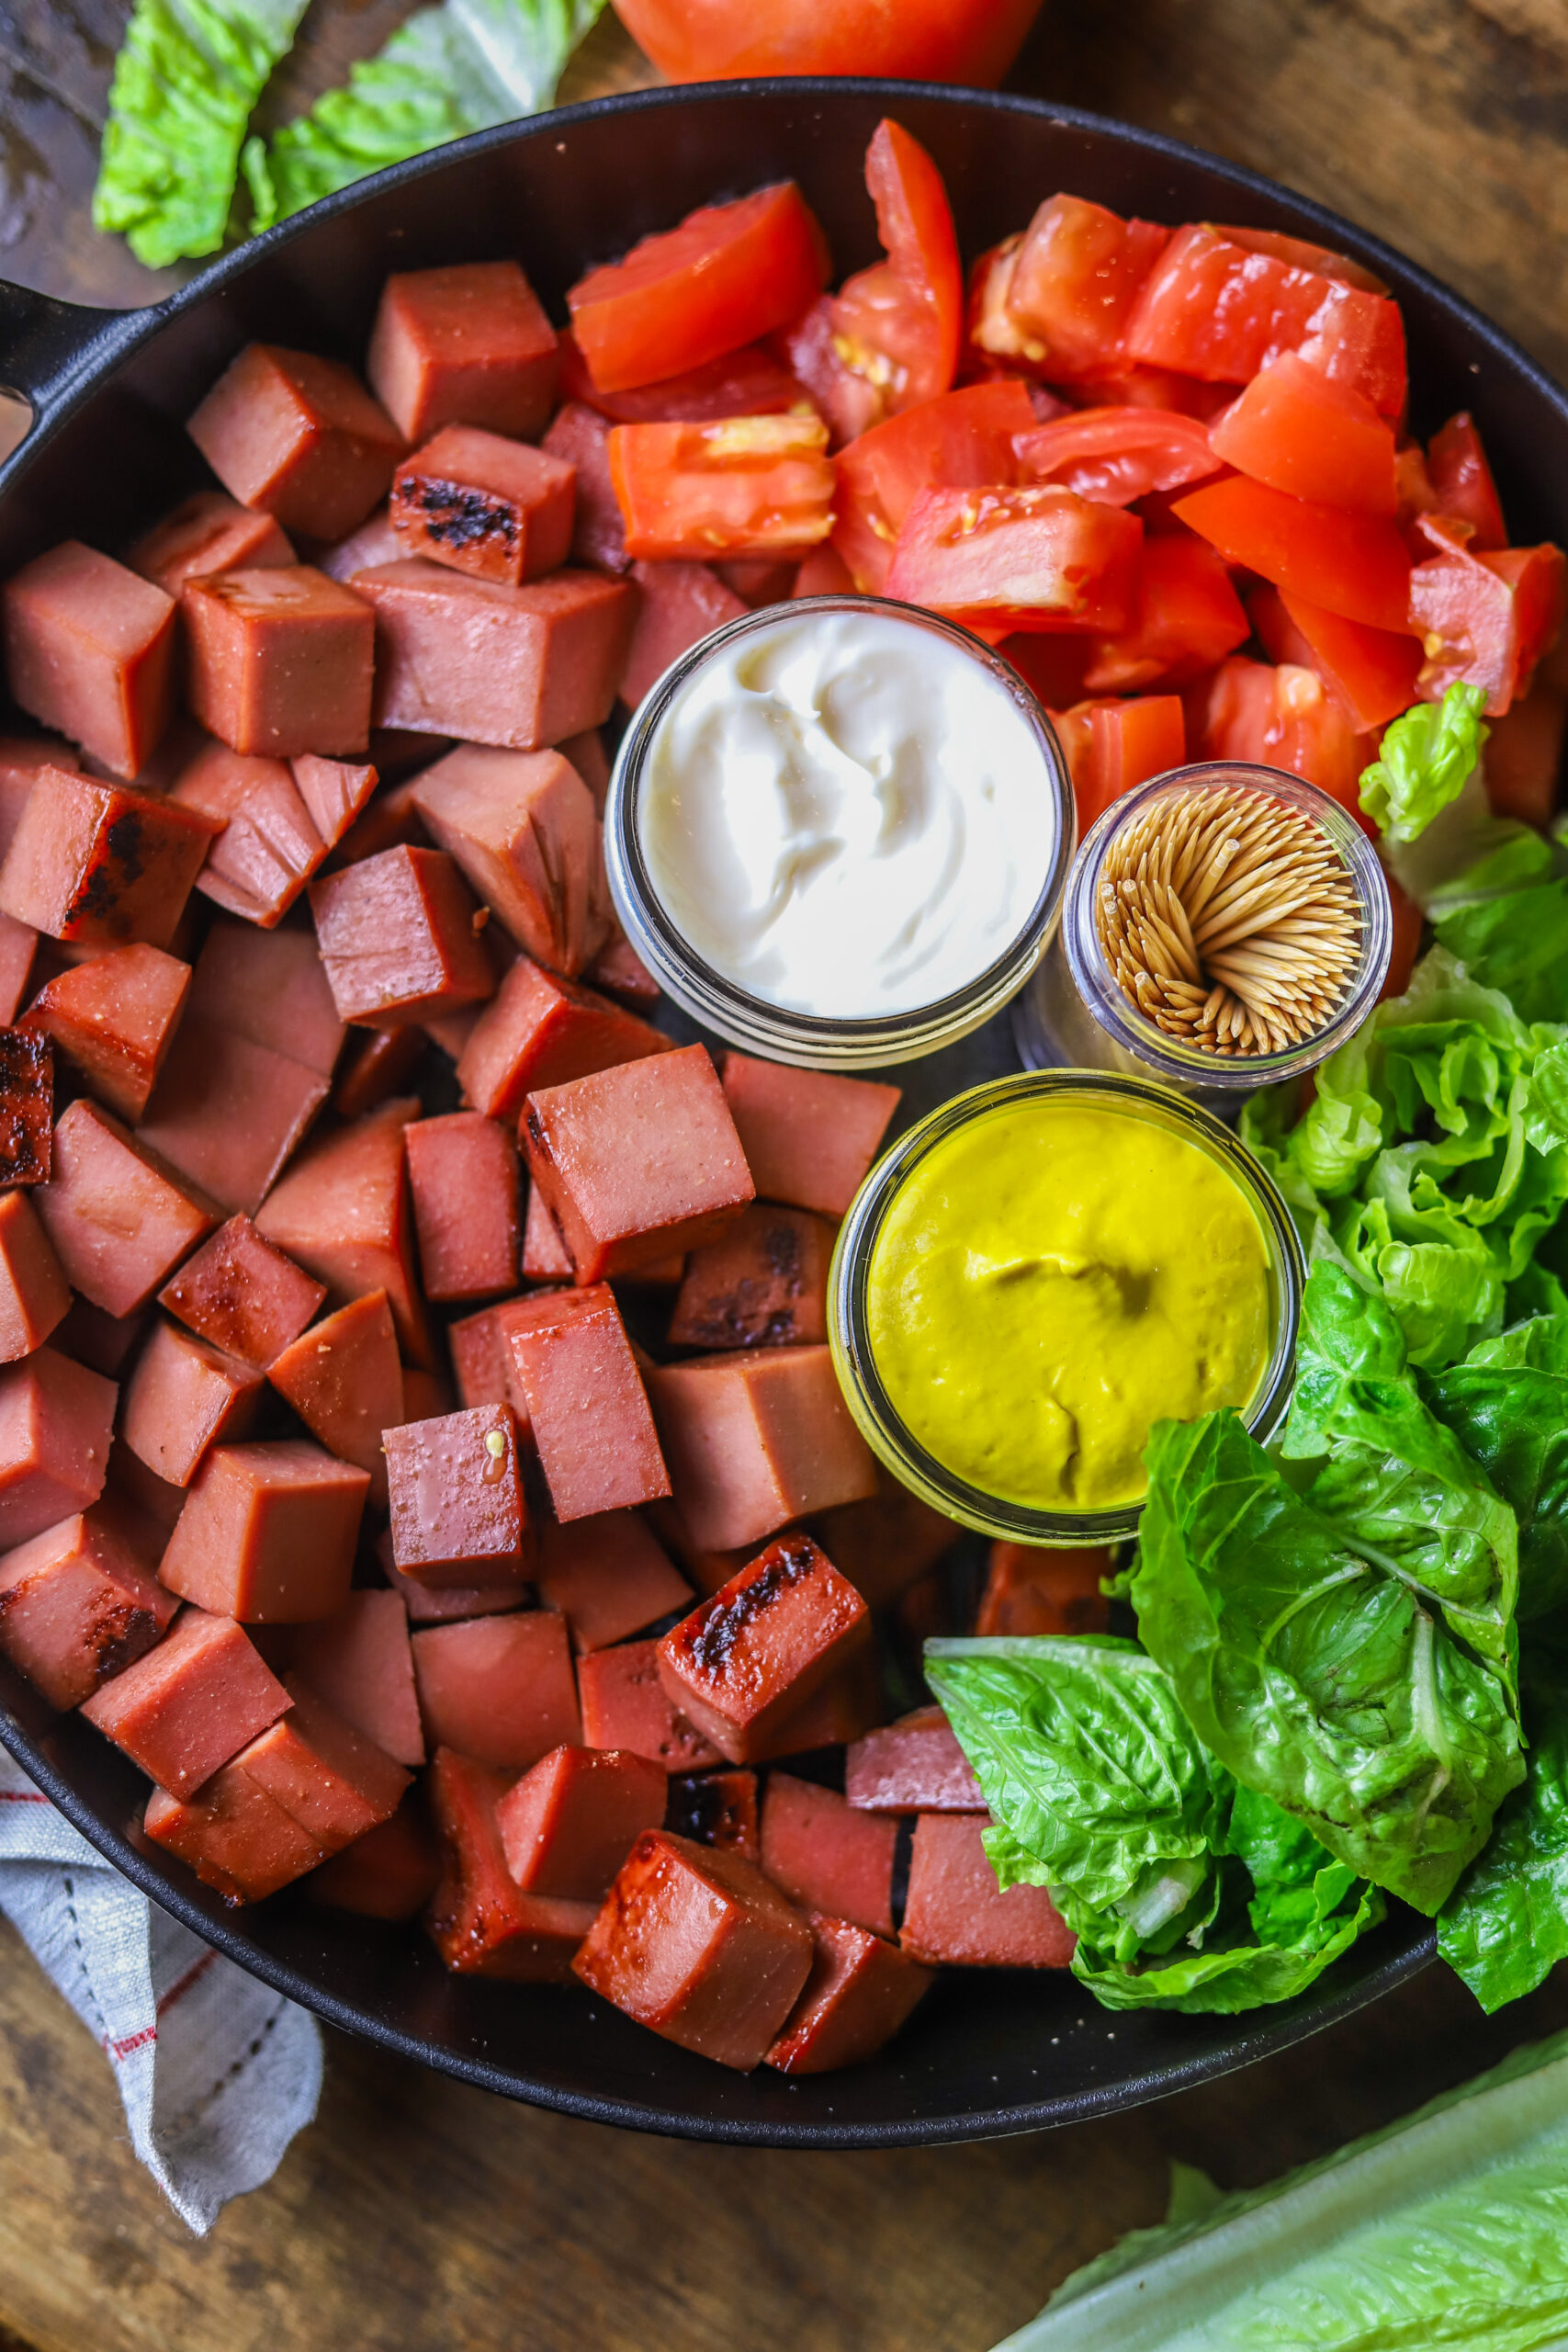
point(846, 814)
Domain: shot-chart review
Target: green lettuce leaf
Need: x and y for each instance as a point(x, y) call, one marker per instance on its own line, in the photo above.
point(185, 82)
point(1516, 942)
point(1316, 1673)
point(1424, 762)
point(1466, 853)
point(1507, 1407)
point(1505, 1927)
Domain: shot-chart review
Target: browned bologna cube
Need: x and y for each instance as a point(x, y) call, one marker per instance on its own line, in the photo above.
point(581, 435)
point(342, 1213)
point(400, 938)
point(841, 1710)
point(18, 944)
point(463, 1179)
point(379, 1063)
point(519, 667)
point(344, 1379)
point(34, 1294)
point(78, 1603)
point(298, 437)
point(809, 1138)
point(269, 848)
point(208, 532)
point(182, 1397)
point(389, 1873)
point(637, 1162)
point(120, 1222)
point(746, 1659)
point(26, 1107)
point(588, 756)
point(429, 1605)
point(587, 1405)
point(268, 1533)
point(23, 758)
point(335, 793)
point(229, 1113)
point(92, 863)
point(497, 1689)
point(1031, 1591)
point(374, 542)
point(761, 1284)
point(481, 1365)
point(716, 1809)
point(546, 1258)
point(89, 649)
point(279, 660)
point(624, 1705)
point(956, 1913)
point(569, 1824)
point(192, 1703)
point(886, 1543)
point(484, 504)
point(521, 825)
point(360, 1664)
point(608, 1577)
point(459, 1513)
point(467, 345)
point(678, 604)
point(268, 986)
point(115, 1019)
point(826, 1856)
point(481, 1921)
point(698, 1945)
point(539, 1031)
point(913, 1765)
point(859, 1993)
point(756, 1438)
point(242, 1295)
point(236, 1838)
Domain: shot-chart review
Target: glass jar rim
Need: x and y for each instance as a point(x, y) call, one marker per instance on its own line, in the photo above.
point(848, 1281)
point(816, 1040)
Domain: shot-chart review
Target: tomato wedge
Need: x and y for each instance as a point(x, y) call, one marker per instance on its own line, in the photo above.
point(1484, 618)
point(1285, 719)
point(960, 441)
point(1372, 671)
point(1188, 617)
point(747, 382)
point(889, 339)
point(1462, 484)
point(1024, 559)
point(1354, 564)
point(1117, 453)
point(1059, 296)
point(1296, 429)
point(1297, 253)
point(1524, 757)
point(1112, 746)
point(743, 486)
point(728, 274)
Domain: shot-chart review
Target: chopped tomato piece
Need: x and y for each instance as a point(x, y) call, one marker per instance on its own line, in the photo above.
point(1298, 254)
point(1052, 667)
point(1024, 559)
point(1112, 746)
point(958, 442)
point(1484, 618)
point(1408, 924)
point(1214, 309)
point(1297, 430)
point(747, 382)
point(1416, 496)
point(1117, 453)
point(1523, 762)
point(823, 574)
point(746, 485)
point(1058, 298)
point(971, 42)
point(1462, 484)
point(1188, 617)
point(1354, 564)
point(1284, 719)
point(1133, 387)
point(889, 339)
point(728, 276)
point(1372, 671)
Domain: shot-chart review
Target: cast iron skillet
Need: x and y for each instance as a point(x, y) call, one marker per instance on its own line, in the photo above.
point(988, 2054)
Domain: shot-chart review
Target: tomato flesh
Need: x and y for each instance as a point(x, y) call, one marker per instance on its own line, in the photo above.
point(1188, 617)
point(1372, 671)
point(1462, 484)
point(1524, 757)
point(1486, 618)
point(1285, 719)
point(971, 42)
point(1112, 746)
point(1353, 564)
point(1296, 429)
point(747, 382)
point(960, 441)
point(1058, 298)
point(743, 486)
point(1117, 453)
point(1025, 558)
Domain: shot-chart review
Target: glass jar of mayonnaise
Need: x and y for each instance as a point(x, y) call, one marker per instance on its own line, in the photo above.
point(838, 832)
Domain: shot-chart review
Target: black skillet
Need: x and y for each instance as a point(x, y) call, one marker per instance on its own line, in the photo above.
point(989, 2052)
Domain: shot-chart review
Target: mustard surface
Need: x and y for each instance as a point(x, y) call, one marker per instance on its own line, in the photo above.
point(1049, 1282)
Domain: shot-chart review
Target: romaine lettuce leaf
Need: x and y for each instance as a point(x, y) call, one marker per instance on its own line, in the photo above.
point(1505, 1927)
point(1507, 1407)
point(1424, 762)
point(1516, 942)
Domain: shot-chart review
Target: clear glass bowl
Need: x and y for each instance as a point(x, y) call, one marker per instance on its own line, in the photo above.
point(848, 1286)
point(775, 1030)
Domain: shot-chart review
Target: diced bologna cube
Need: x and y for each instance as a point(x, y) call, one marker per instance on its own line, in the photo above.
point(608, 1576)
point(399, 938)
point(887, 1542)
point(26, 1107)
point(581, 435)
point(228, 1113)
point(104, 1342)
point(484, 504)
point(481, 1921)
point(841, 1710)
point(697, 1944)
point(236, 1838)
point(343, 1212)
point(91, 862)
point(389, 1873)
point(859, 1993)
point(498, 1689)
point(467, 345)
point(761, 1284)
point(374, 542)
point(459, 1513)
point(23, 758)
point(268, 986)
point(298, 437)
point(588, 756)
point(637, 1162)
point(119, 1221)
point(279, 660)
point(716, 1809)
point(182, 1397)
point(463, 1181)
point(570, 1823)
point(521, 825)
point(192, 1703)
point(268, 1534)
point(519, 667)
point(546, 1258)
point(429, 1604)
point(336, 792)
point(707, 1567)
point(78, 1603)
point(208, 532)
point(269, 848)
point(482, 1369)
point(18, 944)
point(756, 1438)
point(1031, 1591)
point(243, 1294)
point(678, 605)
point(379, 1064)
point(34, 1293)
point(827, 1857)
point(89, 649)
point(913, 1765)
point(624, 1705)
point(141, 1493)
point(114, 1018)
point(360, 1664)
point(344, 1379)
point(745, 1660)
point(391, 820)
point(809, 1137)
point(542, 1031)
point(329, 1776)
point(956, 1912)
point(587, 1405)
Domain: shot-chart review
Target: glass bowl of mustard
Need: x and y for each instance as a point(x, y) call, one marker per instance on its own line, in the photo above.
point(1036, 1273)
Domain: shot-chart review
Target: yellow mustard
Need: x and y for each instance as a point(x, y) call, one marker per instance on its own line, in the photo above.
point(1049, 1280)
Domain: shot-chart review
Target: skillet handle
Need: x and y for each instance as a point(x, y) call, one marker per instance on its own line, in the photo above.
point(45, 343)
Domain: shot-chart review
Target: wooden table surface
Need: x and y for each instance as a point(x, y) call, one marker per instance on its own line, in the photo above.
point(418, 2216)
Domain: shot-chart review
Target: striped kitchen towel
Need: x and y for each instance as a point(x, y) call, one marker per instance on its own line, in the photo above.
point(216, 2072)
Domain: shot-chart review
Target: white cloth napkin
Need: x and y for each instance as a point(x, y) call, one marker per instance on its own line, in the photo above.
point(216, 2072)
